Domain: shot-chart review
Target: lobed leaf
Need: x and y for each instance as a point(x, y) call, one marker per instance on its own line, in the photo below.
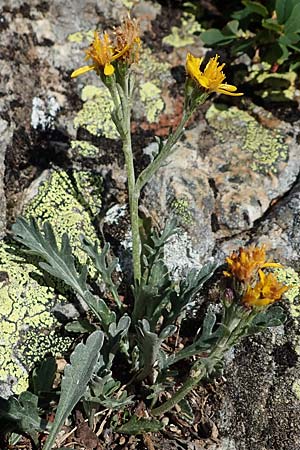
point(76, 377)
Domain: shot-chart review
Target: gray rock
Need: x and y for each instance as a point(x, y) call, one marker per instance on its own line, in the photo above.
point(5, 137)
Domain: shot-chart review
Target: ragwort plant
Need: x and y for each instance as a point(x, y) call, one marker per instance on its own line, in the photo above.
point(138, 331)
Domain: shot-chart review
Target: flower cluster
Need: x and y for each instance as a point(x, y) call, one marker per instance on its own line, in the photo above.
point(244, 264)
point(255, 287)
point(105, 51)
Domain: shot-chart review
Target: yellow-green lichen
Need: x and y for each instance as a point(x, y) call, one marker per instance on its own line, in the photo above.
point(128, 3)
point(89, 190)
point(27, 326)
point(80, 36)
point(156, 73)
point(95, 115)
point(25, 305)
point(181, 208)
point(290, 277)
point(296, 388)
point(85, 149)
point(185, 34)
point(274, 86)
point(151, 98)
point(153, 69)
point(267, 147)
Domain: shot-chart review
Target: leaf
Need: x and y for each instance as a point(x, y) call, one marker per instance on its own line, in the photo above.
point(284, 9)
point(102, 264)
point(213, 36)
point(149, 345)
point(43, 376)
point(188, 290)
point(202, 343)
point(186, 411)
point(272, 24)
point(80, 326)
point(76, 377)
point(272, 317)
point(232, 27)
point(140, 425)
point(292, 25)
point(22, 414)
point(59, 263)
point(251, 7)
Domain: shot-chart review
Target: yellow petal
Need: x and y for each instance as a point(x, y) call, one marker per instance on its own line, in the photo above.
point(193, 65)
point(227, 87)
point(233, 94)
point(82, 70)
point(270, 264)
point(108, 69)
point(120, 53)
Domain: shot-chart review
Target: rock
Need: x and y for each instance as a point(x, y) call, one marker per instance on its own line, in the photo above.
point(5, 137)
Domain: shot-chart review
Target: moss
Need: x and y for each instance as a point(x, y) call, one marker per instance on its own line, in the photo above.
point(27, 326)
point(95, 116)
point(151, 98)
point(291, 278)
point(185, 34)
point(267, 147)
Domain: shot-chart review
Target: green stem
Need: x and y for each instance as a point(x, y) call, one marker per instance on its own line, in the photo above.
point(122, 101)
point(149, 171)
point(188, 386)
point(205, 366)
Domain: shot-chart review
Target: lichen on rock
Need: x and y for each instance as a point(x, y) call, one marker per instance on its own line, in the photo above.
point(27, 325)
point(95, 115)
point(267, 147)
point(185, 34)
point(289, 277)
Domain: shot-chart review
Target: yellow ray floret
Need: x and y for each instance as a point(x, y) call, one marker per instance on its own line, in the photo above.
point(101, 53)
point(211, 79)
point(266, 291)
point(244, 264)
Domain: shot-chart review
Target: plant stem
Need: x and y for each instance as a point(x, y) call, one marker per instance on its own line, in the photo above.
point(122, 102)
point(166, 150)
point(205, 366)
point(190, 384)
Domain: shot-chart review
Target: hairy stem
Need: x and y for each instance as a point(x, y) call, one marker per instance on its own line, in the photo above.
point(122, 101)
point(206, 366)
point(149, 171)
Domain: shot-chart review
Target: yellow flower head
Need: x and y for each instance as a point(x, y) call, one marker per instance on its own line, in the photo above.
point(128, 42)
point(244, 264)
point(266, 291)
point(103, 51)
point(212, 78)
